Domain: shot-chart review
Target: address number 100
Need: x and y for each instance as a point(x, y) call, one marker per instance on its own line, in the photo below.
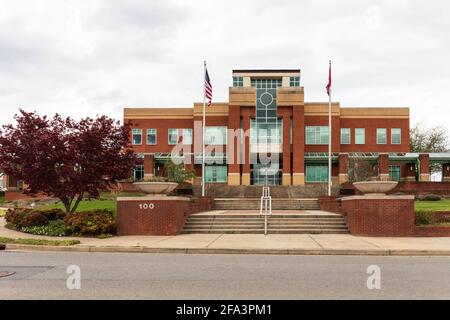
point(146, 206)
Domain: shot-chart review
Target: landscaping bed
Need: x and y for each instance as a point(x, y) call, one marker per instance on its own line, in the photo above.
point(432, 211)
point(55, 222)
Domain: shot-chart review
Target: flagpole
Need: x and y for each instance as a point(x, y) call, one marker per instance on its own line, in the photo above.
point(329, 139)
point(203, 129)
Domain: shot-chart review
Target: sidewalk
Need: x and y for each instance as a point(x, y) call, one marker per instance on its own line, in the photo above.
point(320, 244)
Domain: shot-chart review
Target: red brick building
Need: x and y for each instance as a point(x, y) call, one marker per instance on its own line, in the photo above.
point(268, 130)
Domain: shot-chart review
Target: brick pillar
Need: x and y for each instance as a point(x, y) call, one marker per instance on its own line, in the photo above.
point(446, 172)
point(298, 145)
point(383, 163)
point(424, 160)
point(410, 172)
point(343, 168)
point(234, 119)
point(286, 150)
point(149, 165)
point(246, 154)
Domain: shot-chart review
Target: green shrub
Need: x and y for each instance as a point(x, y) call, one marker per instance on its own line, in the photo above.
point(24, 218)
point(54, 214)
point(90, 223)
point(424, 217)
point(54, 228)
point(34, 219)
point(15, 216)
point(432, 197)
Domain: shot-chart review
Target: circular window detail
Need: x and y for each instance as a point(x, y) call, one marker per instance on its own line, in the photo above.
point(266, 98)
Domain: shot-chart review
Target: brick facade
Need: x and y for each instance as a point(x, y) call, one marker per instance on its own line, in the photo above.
point(294, 113)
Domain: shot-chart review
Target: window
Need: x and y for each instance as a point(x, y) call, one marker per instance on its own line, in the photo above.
point(316, 173)
point(215, 173)
point(345, 136)
point(173, 136)
point(238, 81)
point(187, 136)
point(360, 136)
point(138, 173)
point(381, 136)
point(215, 135)
point(294, 81)
point(396, 135)
point(394, 173)
point(137, 136)
point(151, 136)
point(316, 135)
point(266, 132)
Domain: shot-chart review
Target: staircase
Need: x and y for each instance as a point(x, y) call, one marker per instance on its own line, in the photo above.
point(254, 204)
point(283, 223)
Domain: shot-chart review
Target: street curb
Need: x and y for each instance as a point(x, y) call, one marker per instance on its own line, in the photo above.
point(113, 249)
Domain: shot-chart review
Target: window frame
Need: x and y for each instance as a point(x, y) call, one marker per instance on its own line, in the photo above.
point(364, 136)
point(183, 135)
point(169, 134)
point(224, 138)
point(398, 169)
point(323, 167)
point(385, 136)
point(132, 136)
point(156, 136)
point(319, 133)
point(399, 136)
point(349, 131)
point(215, 168)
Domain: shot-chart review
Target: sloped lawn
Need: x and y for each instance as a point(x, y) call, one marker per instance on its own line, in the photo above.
point(441, 205)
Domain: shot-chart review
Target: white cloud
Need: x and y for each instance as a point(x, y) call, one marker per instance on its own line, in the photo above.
point(86, 57)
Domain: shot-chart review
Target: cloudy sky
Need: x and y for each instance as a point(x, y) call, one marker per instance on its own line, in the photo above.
point(88, 57)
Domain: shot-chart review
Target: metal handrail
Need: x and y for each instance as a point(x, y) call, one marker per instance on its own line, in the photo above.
point(266, 204)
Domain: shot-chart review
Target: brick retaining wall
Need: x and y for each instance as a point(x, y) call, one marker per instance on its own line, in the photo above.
point(380, 215)
point(158, 215)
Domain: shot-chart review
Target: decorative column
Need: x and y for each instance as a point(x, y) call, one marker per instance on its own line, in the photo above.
point(298, 145)
point(286, 149)
point(424, 160)
point(246, 150)
point(343, 168)
point(410, 172)
point(149, 165)
point(446, 172)
point(383, 163)
point(233, 151)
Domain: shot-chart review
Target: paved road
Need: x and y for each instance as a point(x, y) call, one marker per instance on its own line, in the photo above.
point(43, 275)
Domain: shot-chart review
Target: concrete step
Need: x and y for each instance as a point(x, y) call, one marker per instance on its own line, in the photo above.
point(271, 218)
point(255, 203)
point(270, 223)
point(260, 231)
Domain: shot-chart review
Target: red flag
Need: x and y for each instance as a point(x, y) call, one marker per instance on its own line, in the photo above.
point(329, 80)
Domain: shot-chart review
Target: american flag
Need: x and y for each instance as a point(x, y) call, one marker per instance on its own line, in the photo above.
point(208, 88)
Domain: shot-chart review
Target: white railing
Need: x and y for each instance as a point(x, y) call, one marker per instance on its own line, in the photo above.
point(266, 206)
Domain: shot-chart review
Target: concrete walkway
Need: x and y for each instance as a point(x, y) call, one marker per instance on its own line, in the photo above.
point(320, 244)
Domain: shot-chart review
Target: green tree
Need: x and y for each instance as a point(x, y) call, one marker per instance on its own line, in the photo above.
point(434, 139)
point(177, 172)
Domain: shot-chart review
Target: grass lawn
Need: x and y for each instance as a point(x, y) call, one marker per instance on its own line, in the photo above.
point(39, 242)
point(441, 205)
point(107, 201)
point(2, 199)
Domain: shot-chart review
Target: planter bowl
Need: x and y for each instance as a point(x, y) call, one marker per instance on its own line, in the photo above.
point(156, 187)
point(375, 186)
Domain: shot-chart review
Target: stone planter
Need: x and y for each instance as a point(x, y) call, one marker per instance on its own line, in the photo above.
point(155, 187)
point(380, 187)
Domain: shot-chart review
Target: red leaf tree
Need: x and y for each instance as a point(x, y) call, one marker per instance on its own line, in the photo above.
point(65, 158)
